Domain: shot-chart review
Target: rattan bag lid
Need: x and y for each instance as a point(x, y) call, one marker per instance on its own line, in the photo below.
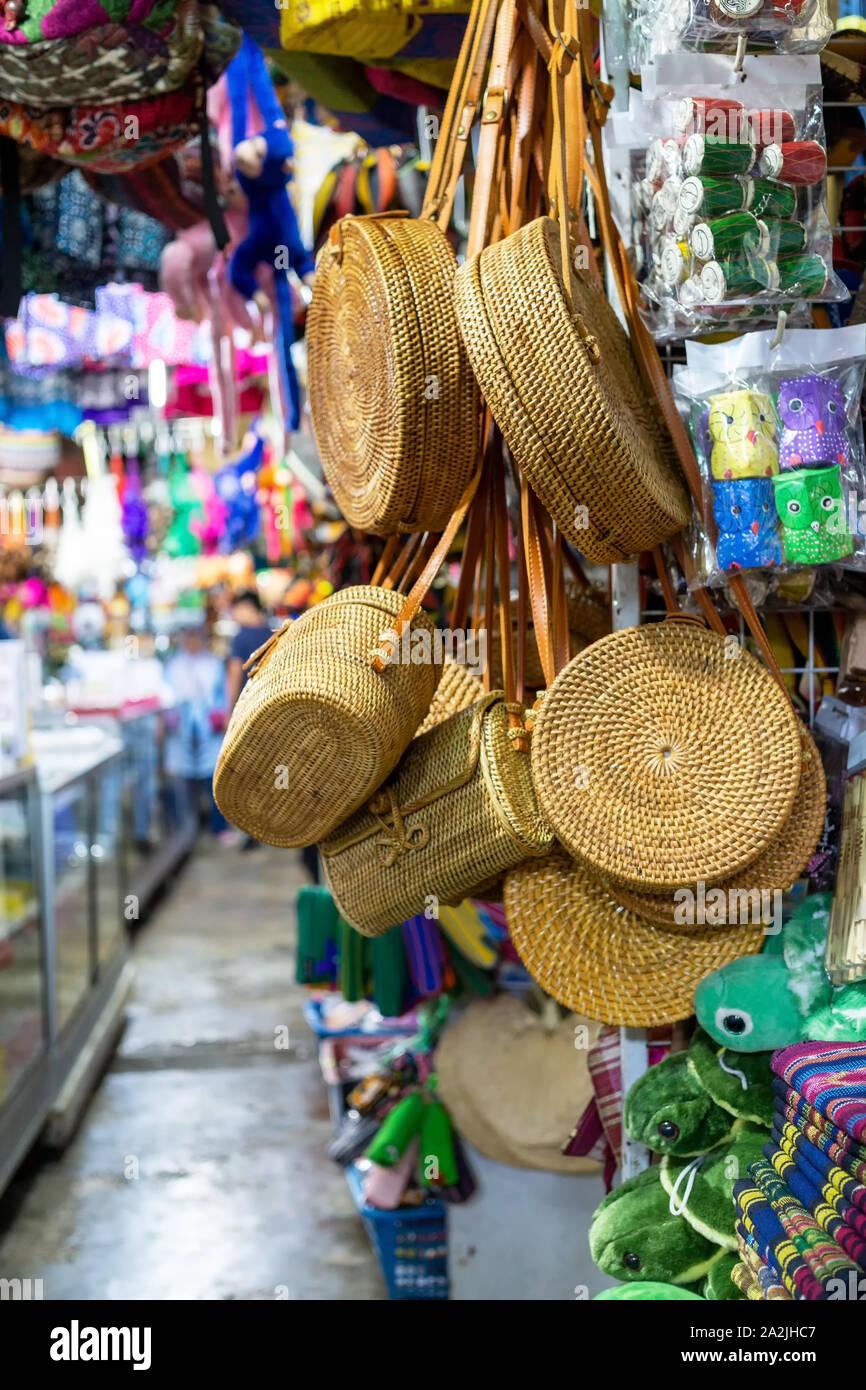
point(665, 754)
point(781, 862)
point(600, 960)
point(564, 389)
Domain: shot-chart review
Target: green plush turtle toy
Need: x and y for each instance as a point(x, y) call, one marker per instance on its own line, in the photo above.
point(783, 995)
point(707, 1112)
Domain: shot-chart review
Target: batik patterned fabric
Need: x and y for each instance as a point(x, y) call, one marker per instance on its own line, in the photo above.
point(756, 1279)
point(823, 1201)
point(831, 1077)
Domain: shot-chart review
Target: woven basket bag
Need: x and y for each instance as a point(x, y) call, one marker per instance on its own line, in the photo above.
point(598, 959)
point(662, 755)
point(563, 388)
point(316, 728)
point(395, 406)
point(394, 402)
point(780, 864)
point(459, 810)
point(458, 688)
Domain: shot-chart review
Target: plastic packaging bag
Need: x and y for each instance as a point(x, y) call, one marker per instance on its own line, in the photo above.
point(778, 437)
point(780, 26)
point(729, 205)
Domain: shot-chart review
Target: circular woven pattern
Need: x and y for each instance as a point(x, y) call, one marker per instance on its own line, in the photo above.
point(662, 756)
point(581, 430)
point(315, 729)
point(393, 398)
point(598, 959)
point(781, 862)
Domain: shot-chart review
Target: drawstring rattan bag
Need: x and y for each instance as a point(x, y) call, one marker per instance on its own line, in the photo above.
point(317, 727)
point(395, 405)
point(558, 374)
point(459, 810)
point(666, 754)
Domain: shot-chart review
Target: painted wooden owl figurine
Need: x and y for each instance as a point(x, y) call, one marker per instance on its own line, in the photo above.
point(742, 426)
point(812, 411)
point(811, 508)
point(747, 522)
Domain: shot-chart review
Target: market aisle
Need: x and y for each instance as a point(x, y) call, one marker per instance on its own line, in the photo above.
point(199, 1170)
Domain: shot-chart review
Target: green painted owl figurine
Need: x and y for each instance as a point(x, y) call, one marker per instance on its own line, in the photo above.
point(811, 507)
point(742, 426)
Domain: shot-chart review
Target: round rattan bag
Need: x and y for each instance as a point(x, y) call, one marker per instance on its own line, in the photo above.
point(598, 959)
point(665, 754)
point(394, 403)
point(564, 389)
point(773, 871)
point(316, 729)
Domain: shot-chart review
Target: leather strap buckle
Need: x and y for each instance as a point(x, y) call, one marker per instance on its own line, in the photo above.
point(495, 100)
point(467, 116)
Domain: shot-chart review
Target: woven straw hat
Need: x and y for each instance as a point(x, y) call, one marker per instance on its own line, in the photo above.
point(570, 406)
point(513, 1087)
point(780, 864)
point(316, 729)
point(393, 399)
point(662, 756)
point(597, 958)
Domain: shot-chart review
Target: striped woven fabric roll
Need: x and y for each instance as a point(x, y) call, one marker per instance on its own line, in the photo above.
point(832, 1078)
point(823, 1202)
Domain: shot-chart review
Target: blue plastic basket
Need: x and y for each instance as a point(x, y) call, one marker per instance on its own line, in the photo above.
point(411, 1243)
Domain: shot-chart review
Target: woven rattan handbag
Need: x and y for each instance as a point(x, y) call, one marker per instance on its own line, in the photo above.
point(663, 755)
point(558, 374)
point(394, 402)
point(316, 727)
point(459, 810)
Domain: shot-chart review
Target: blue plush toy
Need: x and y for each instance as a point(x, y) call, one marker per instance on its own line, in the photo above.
point(745, 513)
point(264, 164)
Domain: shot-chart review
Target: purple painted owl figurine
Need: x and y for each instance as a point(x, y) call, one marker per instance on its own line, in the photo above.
point(812, 411)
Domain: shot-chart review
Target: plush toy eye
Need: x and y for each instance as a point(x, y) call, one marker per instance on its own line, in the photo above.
point(668, 1130)
point(796, 404)
point(631, 1260)
point(737, 1025)
point(794, 508)
point(827, 503)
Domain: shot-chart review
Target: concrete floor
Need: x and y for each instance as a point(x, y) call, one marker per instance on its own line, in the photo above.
point(199, 1171)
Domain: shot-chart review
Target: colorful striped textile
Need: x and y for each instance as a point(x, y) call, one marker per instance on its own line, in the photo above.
point(804, 1255)
point(792, 1100)
point(822, 1201)
point(820, 1170)
point(820, 1138)
point(832, 1078)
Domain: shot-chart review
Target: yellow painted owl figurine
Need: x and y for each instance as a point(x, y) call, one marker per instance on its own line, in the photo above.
point(742, 427)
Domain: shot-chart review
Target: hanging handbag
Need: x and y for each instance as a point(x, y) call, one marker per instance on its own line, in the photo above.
point(318, 726)
point(557, 371)
point(394, 403)
point(459, 810)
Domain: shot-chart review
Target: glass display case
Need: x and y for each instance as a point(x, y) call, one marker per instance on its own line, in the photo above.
point(23, 1023)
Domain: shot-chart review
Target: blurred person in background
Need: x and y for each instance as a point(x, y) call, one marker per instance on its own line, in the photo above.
point(197, 720)
point(253, 630)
